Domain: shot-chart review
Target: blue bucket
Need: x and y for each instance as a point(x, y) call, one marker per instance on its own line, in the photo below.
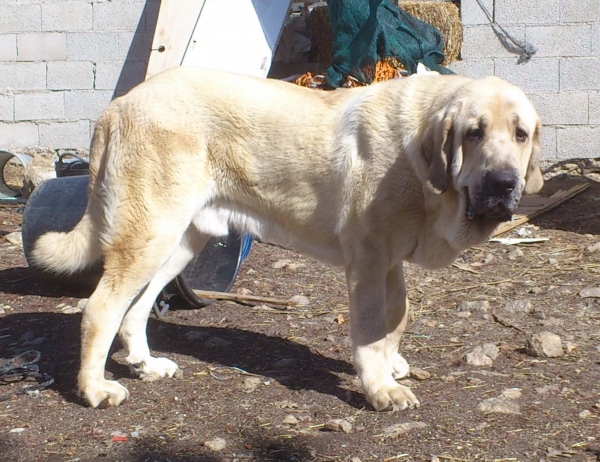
point(59, 203)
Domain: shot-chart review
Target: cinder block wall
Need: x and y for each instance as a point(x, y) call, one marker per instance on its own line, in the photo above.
point(563, 76)
point(61, 62)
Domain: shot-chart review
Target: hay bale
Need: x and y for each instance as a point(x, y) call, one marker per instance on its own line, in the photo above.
point(444, 16)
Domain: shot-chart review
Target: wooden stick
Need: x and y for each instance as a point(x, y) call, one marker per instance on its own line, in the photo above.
point(209, 294)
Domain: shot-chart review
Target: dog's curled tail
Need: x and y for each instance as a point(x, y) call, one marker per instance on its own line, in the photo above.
point(70, 252)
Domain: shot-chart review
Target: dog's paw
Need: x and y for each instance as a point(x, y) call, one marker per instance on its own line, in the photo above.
point(152, 369)
point(392, 398)
point(104, 393)
point(400, 367)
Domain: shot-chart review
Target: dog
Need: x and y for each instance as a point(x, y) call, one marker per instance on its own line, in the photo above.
point(416, 169)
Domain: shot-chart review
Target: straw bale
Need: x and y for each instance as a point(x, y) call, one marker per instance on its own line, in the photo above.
point(444, 16)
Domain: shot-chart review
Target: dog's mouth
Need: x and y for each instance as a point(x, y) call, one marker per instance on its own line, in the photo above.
point(496, 209)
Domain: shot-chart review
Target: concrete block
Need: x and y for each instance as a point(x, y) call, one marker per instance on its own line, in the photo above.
point(596, 40)
point(42, 106)
point(595, 108)
point(8, 47)
point(23, 76)
point(116, 75)
point(578, 141)
point(86, 104)
point(548, 142)
point(539, 74)
point(482, 42)
point(119, 16)
point(519, 12)
point(93, 46)
point(44, 46)
point(67, 16)
point(70, 75)
point(65, 135)
point(135, 45)
point(579, 11)
point(474, 68)
point(21, 134)
point(22, 17)
point(7, 111)
point(562, 40)
point(580, 73)
point(561, 108)
point(471, 13)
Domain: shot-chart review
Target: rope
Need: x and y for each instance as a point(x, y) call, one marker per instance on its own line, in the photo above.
point(14, 370)
point(524, 49)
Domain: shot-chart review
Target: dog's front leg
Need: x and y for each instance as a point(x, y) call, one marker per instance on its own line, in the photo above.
point(374, 333)
point(396, 317)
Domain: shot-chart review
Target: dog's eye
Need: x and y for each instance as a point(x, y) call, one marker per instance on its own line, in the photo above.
point(475, 134)
point(521, 135)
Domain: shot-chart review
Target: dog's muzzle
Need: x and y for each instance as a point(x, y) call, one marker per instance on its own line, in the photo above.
point(495, 198)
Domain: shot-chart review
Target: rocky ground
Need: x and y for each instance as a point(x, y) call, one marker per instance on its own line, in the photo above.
point(504, 348)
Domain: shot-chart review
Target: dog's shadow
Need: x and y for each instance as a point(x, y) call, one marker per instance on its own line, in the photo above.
point(57, 337)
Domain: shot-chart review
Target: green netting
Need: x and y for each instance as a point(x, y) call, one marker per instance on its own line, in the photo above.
point(364, 31)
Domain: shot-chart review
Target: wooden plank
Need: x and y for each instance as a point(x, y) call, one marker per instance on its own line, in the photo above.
point(175, 25)
point(541, 204)
point(208, 294)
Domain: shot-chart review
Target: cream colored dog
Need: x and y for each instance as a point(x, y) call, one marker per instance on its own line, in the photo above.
point(415, 169)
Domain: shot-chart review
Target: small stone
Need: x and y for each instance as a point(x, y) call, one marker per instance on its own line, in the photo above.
point(216, 342)
point(590, 292)
point(518, 306)
point(280, 264)
point(514, 253)
point(70, 310)
point(195, 335)
point(217, 444)
point(338, 425)
point(489, 349)
point(481, 306)
point(284, 363)
point(552, 261)
point(393, 431)
point(251, 384)
point(499, 405)
point(290, 420)
point(511, 393)
point(464, 314)
point(477, 358)
point(585, 414)
point(15, 238)
point(2, 311)
point(355, 459)
point(300, 300)
point(593, 248)
point(17, 430)
point(419, 374)
point(544, 345)
point(569, 347)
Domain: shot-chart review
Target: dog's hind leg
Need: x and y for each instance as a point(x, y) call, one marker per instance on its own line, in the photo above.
point(128, 269)
point(133, 328)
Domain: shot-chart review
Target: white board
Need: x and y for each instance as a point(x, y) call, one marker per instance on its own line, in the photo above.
point(237, 35)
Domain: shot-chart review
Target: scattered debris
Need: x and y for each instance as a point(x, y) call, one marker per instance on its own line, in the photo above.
point(480, 306)
point(251, 384)
point(506, 403)
point(290, 420)
point(518, 306)
point(518, 240)
point(418, 374)
point(482, 355)
point(590, 292)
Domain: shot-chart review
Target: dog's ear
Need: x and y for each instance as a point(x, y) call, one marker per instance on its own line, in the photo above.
point(437, 150)
point(534, 181)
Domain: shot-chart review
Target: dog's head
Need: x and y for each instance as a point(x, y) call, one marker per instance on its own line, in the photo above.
point(485, 144)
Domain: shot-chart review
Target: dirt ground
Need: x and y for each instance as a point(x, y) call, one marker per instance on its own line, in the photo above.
point(263, 383)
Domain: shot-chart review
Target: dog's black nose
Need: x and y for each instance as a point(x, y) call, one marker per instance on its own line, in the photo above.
point(501, 183)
